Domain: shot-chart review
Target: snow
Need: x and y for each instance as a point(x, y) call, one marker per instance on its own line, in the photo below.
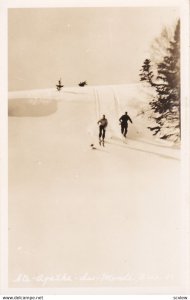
point(90, 213)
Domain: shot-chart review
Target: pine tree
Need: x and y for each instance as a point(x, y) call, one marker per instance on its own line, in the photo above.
point(159, 46)
point(164, 76)
point(146, 74)
point(166, 105)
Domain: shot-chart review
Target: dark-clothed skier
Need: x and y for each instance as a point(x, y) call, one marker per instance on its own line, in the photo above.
point(124, 123)
point(102, 128)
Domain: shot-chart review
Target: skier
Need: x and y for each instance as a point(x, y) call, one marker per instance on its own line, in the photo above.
point(102, 129)
point(124, 123)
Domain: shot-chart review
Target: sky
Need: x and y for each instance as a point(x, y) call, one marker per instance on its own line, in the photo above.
point(105, 45)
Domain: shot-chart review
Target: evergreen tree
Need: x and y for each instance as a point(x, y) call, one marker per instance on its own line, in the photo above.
point(160, 45)
point(146, 74)
point(165, 78)
point(166, 105)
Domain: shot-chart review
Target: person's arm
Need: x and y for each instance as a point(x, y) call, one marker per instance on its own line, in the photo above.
point(130, 120)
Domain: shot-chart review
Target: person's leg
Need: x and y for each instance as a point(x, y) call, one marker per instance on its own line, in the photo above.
point(103, 133)
point(125, 132)
point(100, 132)
point(122, 128)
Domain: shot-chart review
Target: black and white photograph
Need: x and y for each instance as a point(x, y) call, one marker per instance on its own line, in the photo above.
point(96, 147)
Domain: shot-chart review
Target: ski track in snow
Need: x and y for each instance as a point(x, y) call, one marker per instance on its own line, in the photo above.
point(117, 104)
point(111, 109)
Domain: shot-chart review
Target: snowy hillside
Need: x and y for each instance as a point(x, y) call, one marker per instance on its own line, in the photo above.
point(74, 210)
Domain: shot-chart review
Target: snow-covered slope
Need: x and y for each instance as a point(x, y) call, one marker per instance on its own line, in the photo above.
point(111, 211)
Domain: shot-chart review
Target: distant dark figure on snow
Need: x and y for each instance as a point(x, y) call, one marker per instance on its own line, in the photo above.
point(102, 128)
point(124, 123)
point(59, 85)
point(83, 83)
